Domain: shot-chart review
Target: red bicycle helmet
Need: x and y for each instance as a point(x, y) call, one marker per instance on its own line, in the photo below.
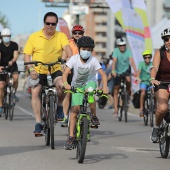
point(77, 28)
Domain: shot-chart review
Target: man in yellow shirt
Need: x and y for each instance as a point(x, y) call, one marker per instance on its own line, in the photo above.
point(46, 45)
point(77, 33)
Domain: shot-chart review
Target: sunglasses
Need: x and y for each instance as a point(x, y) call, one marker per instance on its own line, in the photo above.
point(51, 23)
point(147, 57)
point(121, 45)
point(79, 33)
point(166, 39)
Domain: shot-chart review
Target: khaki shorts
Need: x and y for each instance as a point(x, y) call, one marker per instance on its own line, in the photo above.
point(77, 98)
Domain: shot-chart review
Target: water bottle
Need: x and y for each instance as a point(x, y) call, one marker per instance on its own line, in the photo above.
point(90, 96)
point(49, 80)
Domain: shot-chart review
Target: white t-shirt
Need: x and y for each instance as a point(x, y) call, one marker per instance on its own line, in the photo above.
point(83, 72)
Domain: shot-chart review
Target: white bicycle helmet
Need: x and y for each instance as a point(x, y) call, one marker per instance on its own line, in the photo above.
point(5, 31)
point(120, 41)
point(165, 32)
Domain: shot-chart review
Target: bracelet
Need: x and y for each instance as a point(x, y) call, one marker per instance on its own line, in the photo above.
point(65, 83)
point(31, 69)
point(113, 71)
point(151, 79)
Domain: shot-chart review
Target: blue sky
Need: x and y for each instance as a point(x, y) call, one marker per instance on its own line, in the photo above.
point(26, 16)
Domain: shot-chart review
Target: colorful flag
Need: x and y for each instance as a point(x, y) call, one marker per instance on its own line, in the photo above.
point(63, 27)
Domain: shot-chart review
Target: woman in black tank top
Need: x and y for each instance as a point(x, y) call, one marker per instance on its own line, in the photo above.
point(161, 73)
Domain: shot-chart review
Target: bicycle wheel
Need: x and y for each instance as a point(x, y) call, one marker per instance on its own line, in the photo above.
point(125, 105)
point(11, 106)
point(81, 144)
point(119, 108)
point(145, 112)
point(52, 110)
point(151, 110)
point(164, 142)
point(6, 109)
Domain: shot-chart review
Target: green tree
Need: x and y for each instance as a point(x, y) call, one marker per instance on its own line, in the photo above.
point(4, 20)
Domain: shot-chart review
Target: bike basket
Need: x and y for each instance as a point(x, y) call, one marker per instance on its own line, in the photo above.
point(136, 99)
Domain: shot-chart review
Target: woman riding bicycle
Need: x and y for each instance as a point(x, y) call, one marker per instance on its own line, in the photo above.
point(143, 74)
point(85, 68)
point(161, 73)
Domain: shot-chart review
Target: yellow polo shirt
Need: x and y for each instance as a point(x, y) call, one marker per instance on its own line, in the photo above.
point(46, 50)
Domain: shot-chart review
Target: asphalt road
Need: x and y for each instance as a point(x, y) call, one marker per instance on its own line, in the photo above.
point(114, 146)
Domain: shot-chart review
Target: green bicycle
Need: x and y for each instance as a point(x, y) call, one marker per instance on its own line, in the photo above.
point(83, 124)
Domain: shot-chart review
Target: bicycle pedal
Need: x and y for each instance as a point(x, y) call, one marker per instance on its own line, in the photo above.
point(94, 126)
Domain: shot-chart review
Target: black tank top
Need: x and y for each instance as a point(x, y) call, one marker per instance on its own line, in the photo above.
point(163, 73)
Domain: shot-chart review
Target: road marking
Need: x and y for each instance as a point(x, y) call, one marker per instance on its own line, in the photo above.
point(25, 111)
point(130, 149)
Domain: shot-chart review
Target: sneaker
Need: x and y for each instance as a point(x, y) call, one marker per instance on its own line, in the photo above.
point(115, 114)
point(110, 107)
point(64, 123)
point(38, 129)
point(141, 113)
point(70, 143)
point(155, 135)
point(95, 121)
point(1, 110)
point(60, 114)
point(16, 98)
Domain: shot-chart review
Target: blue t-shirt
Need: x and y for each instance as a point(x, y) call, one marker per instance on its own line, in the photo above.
point(122, 63)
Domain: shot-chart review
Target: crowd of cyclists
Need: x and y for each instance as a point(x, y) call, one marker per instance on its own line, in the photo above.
point(80, 69)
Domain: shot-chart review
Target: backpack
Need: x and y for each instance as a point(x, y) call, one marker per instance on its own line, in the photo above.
point(162, 52)
point(136, 99)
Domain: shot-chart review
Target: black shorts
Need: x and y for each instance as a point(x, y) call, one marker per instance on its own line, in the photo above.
point(161, 86)
point(117, 79)
point(13, 69)
point(43, 77)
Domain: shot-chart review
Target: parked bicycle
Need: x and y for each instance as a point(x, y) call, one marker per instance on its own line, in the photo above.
point(122, 98)
point(49, 101)
point(83, 124)
point(149, 106)
point(9, 94)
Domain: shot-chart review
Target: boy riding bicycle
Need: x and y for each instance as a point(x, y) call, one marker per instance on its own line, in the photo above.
point(143, 74)
point(85, 68)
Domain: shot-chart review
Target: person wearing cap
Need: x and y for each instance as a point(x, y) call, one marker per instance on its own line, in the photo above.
point(77, 33)
point(122, 57)
point(8, 57)
point(160, 72)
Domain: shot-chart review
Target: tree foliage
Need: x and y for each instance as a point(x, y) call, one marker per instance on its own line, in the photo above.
point(4, 20)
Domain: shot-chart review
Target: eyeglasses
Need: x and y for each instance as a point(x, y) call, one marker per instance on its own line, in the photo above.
point(79, 33)
point(49, 23)
point(166, 39)
point(122, 45)
point(147, 57)
point(6, 35)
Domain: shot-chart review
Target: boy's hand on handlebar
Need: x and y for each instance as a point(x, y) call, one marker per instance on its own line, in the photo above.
point(135, 74)
point(114, 74)
point(105, 90)
point(67, 87)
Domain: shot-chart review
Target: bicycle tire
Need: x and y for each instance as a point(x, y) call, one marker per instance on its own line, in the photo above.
point(6, 111)
point(125, 105)
point(164, 143)
point(81, 144)
point(151, 110)
point(119, 108)
point(11, 106)
point(145, 112)
point(52, 106)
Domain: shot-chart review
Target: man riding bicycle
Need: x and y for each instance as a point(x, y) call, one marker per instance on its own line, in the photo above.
point(46, 45)
point(85, 68)
point(8, 57)
point(121, 58)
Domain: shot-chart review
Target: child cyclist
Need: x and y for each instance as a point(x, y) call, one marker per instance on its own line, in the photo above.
point(143, 74)
point(85, 67)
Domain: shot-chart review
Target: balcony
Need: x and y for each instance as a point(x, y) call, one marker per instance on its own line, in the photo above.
point(100, 28)
point(100, 18)
point(100, 39)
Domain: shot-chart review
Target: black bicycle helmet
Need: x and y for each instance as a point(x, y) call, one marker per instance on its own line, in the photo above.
point(85, 41)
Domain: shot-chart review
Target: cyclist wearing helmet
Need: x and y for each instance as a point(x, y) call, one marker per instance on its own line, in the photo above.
point(161, 72)
point(77, 32)
point(85, 67)
point(121, 58)
point(8, 57)
point(143, 74)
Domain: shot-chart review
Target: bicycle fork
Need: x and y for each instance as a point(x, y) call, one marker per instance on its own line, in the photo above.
point(79, 125)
